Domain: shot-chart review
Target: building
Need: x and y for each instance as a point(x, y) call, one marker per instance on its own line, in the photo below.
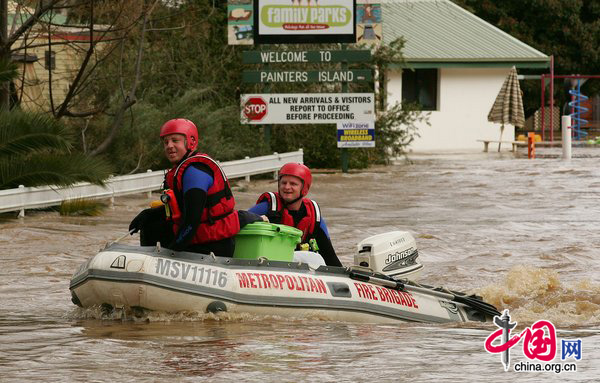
point(50, 54)
point(458, 63)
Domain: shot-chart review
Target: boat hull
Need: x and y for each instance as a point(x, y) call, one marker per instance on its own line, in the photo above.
point(127, 276)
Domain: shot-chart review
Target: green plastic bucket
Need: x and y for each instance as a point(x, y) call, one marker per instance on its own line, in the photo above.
point(269, 240)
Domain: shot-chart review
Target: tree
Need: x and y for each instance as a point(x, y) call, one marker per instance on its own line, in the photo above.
point(567, 29)
point(36, 149)
point(8, 39)
point(86, 30)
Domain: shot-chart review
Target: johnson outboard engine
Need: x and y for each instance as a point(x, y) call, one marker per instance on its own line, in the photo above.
point(393, 254)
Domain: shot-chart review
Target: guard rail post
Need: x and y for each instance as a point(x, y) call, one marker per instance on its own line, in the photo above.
point(276, 172)
point(22, 211)
point(247, 178)
point(149, 195)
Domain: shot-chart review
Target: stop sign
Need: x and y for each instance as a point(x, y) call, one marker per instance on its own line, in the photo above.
point(255, 109)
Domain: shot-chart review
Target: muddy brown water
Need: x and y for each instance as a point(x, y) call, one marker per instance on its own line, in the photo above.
point(524, 234)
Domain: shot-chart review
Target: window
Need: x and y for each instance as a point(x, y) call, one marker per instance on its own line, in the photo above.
point(420, 85)
point(50, 60)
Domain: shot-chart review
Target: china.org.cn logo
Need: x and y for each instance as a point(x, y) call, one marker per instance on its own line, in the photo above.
point(539, 343)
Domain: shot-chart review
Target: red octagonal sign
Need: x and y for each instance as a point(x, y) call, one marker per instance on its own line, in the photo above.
point(255, 109)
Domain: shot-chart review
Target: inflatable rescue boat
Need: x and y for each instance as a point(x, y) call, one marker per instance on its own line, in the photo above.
point(267, 277)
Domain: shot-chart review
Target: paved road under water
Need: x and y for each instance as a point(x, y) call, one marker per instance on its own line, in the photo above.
point(524, 234)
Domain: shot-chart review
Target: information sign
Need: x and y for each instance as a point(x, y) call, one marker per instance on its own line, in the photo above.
point(306, 108)
point(356, 134)
point(326, 56)
point(291, 76)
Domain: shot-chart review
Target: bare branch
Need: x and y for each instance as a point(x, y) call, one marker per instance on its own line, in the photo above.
point(130, 99)
point(166, 29)
point(42, 8)
point(82, 67)
point(15, 18)
point(50, 95)
point(84, 114)
point(65, 42)
point(138, 164)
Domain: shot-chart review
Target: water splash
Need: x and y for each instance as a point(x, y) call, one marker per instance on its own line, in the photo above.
point(532, 293)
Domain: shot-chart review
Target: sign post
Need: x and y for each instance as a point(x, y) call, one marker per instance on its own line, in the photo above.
point(345, 154)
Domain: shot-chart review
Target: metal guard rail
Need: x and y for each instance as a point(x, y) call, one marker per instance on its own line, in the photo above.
point(23, 198)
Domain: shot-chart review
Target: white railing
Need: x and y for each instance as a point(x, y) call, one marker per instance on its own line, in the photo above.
point(23, 198)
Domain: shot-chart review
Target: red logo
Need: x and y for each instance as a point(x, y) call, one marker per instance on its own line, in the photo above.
point(255, 109)
point(539, 342)
point(536, 345)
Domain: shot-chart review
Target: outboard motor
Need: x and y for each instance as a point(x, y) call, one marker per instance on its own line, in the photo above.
point(393, 254)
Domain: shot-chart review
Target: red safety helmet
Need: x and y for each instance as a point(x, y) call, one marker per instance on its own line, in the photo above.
point(181, 126)
point(300, 171)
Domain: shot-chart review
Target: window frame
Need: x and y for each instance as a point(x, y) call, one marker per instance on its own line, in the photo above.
point(414, 84)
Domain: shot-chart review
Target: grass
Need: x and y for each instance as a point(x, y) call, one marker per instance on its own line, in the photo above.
point(81, 207)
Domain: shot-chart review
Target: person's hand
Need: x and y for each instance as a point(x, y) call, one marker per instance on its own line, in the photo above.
point(141, 219)
point(247, 217)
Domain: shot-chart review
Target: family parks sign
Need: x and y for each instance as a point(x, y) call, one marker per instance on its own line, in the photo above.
point(306, 108)
point(285, 21)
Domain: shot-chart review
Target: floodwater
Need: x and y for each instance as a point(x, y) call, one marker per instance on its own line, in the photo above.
point(522, 233)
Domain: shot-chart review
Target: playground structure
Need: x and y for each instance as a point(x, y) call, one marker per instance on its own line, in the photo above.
point(578, 110)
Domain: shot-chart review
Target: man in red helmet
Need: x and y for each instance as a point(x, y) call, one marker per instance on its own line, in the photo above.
point(290, 207)
point(198, 214)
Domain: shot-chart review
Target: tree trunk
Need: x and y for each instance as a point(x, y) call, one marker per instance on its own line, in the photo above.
point(4, 53)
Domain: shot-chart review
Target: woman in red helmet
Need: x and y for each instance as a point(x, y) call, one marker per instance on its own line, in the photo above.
point(198, 214)
point(290, 207)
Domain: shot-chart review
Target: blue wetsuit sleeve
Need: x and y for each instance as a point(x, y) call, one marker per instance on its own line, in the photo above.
point(196, 183)
point(260, 209)
point(325, 246)
point(323, 226)
point(194, 178)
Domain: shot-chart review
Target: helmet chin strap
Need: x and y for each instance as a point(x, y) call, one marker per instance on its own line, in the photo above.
point(189, 153)
point(186, 155)
point(293, 202)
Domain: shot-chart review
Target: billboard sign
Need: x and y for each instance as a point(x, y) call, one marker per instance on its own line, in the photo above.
point(304, 21)
point(240, 22)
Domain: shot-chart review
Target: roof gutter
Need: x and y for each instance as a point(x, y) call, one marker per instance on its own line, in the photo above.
point(519, 63)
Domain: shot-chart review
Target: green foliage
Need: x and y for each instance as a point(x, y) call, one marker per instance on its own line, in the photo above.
point(396, 128)
point(567, 29)
point(8, 71)
point(22, 133)
point(81, 207)
point(35, 150)
point(190, 71)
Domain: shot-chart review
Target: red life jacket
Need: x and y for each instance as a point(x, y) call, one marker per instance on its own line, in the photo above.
point(307, 224)
point(219, 218)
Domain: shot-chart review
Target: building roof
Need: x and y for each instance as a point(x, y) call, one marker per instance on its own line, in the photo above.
point(439, 33)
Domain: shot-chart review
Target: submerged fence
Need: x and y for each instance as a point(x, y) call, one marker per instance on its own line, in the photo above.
point(23, 197)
